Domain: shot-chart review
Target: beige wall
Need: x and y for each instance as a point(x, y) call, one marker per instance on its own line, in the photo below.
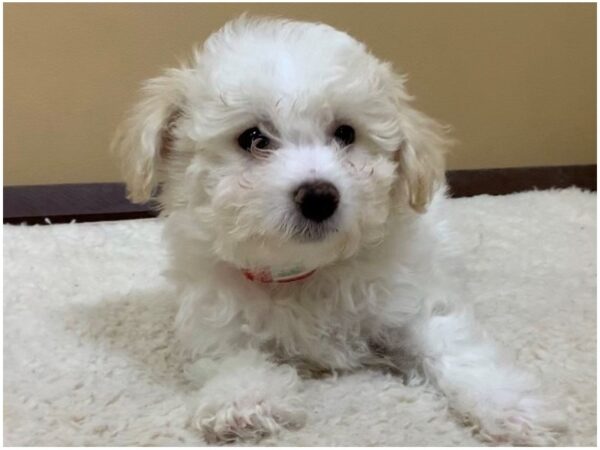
point(518, 82)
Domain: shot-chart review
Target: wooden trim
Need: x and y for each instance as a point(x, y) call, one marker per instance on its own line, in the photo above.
point(62, 203)
point(467, 183)
point(107, 201)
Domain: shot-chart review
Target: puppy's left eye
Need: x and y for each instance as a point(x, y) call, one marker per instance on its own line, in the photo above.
point(252, 138)
point(344, 134)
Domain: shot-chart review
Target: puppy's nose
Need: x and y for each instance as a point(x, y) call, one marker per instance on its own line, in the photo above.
point(317, 200)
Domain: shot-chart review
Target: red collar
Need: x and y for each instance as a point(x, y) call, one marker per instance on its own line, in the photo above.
point(266, 275)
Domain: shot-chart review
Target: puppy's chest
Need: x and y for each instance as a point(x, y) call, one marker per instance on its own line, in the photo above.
point(317, 349)
point(326, 331)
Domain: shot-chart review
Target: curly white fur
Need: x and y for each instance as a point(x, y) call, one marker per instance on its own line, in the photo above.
point(387, 290)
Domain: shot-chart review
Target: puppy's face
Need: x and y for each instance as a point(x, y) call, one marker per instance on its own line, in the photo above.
point(284, 142)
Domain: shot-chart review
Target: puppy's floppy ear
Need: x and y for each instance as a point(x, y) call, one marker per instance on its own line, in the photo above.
point(421, 156)
point(145, 137)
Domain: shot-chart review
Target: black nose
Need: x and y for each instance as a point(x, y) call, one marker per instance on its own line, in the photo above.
point(317, 200)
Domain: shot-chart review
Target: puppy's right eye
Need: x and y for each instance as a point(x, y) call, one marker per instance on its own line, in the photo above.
point(252, 138)
point(345, 134)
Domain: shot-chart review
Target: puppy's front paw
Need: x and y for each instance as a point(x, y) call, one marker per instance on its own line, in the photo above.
point(531, 422)
point(245, 421)
point(248, 398)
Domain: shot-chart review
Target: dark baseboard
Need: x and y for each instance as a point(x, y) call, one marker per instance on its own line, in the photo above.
point(62, 203)
point(107, 201)
point(467, 183)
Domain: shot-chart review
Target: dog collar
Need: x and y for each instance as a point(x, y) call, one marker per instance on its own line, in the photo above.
point(283, 275)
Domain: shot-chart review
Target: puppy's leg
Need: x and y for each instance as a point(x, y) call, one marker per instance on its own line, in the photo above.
point(486, 390)
point(246, 397)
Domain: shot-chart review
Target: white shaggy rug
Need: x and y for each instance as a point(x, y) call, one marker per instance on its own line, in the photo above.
point(88, 341)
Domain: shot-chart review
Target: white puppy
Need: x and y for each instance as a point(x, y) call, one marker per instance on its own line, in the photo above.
point(304, 198)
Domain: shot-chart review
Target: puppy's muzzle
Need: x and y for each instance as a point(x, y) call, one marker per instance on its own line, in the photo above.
point(317, 200)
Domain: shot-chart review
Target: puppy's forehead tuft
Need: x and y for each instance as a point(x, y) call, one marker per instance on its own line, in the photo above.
point(300, 78)
point(280, 56)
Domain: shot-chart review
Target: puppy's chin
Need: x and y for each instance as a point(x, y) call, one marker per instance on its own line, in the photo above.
point(311, 232)
point(311, 247)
